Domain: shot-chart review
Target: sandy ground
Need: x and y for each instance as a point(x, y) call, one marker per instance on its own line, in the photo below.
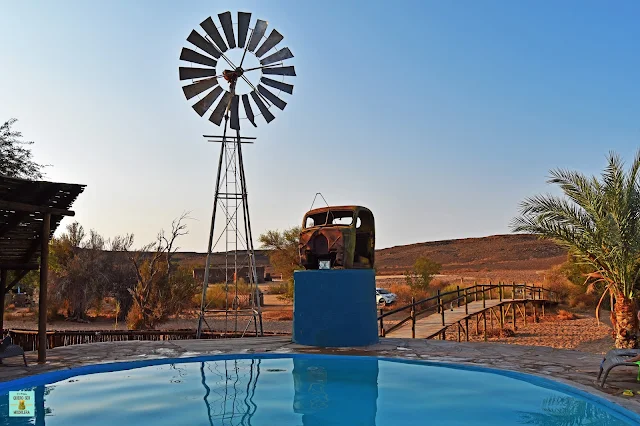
point(582, 334)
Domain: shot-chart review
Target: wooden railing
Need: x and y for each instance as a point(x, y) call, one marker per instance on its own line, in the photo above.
point(463, 296)
point(28, 339)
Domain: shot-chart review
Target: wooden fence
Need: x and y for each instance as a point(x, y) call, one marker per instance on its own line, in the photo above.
point(462, 297)
point(28, 339)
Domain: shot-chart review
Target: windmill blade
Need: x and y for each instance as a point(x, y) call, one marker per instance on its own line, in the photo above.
point(279, 71)
point(221, 108)
point(262, 107)
point(280, 55)
point(198, 87)
point(205, 103)
point(193, 56)
point(244, 19)
point(210, 28)
point(197, 40)
point(191, 73)
point(257, 34)
point(247, 110)
point(235, 118)
point(227, 26)
point(271, 97)
point(278, 85)
point(274, 38)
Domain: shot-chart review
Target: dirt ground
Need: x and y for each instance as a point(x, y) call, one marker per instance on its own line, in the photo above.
point(583, 333)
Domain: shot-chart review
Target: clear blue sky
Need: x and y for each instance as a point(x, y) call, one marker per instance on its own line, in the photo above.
point(439, 116)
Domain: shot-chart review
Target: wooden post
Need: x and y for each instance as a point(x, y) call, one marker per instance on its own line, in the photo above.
point(484, 319)
point(477, 323)
point(501, 316)
point(413, 318)
point(381, 324)
point(513, 312)
point(42, 302)
point(466, 303)
point(441, 309)
point(438, 294)
point(490, 284)
point(475, 291)
point(484, 303)
point(500, 290)
point(457, 296)
point(491, 314)
point(513, 292)
point(535, 314)
point(466, 324)
point(458, 332)
point(3, 287)
point(524, 312)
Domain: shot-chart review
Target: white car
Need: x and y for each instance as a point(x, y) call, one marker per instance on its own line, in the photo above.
point(385, 297)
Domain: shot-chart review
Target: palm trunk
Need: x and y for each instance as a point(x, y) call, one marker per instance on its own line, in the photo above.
point(625, 325)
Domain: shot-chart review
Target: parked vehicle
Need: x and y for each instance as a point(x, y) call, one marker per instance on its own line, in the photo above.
point(339, 237)
point(385, 297)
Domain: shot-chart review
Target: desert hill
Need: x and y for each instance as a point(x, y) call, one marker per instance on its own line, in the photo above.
point(499, 257)
point(514, 257)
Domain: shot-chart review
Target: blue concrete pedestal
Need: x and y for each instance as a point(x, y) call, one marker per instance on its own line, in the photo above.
point(335, 308)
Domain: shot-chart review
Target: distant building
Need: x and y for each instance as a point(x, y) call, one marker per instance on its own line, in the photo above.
point(217, 274)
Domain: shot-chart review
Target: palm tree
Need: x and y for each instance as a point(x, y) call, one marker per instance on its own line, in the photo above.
point(598, 220)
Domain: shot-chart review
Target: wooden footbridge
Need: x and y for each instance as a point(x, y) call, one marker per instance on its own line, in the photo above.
point(496, 304)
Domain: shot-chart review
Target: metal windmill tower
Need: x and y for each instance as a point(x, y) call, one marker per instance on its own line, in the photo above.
point(220, 85)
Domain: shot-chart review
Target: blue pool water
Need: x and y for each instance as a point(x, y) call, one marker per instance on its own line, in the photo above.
point(302, 390)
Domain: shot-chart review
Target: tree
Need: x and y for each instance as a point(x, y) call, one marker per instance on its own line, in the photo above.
point(598, 220)
point(77, 271)
point(162, 288)
point(15, 157)
point(86, 268)
point(424, 269)
point(284, 254)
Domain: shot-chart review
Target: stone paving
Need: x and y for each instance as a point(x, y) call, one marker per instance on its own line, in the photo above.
point(575, 368)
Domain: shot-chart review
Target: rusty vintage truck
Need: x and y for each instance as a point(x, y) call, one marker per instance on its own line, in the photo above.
point(339, 237)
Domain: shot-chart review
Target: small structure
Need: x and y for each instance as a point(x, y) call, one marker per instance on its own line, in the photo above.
point(30, 212)
point(338, 237)
point(337, 248)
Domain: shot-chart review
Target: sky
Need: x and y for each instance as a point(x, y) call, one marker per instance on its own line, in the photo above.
point(441, 117)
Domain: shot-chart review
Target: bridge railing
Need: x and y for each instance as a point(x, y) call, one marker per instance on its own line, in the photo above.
point(462, 297)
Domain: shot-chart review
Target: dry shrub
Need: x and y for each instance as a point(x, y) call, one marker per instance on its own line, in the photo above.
point(279, 288)
point(502, 333)
point(566, 315)
point(135, 319)
point(8, 316)
point(583, 301)
point(404, 294)
point(216, 296)
point(277, 315)
point(53, 310)
point(438, 284)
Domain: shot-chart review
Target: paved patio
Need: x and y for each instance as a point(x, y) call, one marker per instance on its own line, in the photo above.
point(575, 368)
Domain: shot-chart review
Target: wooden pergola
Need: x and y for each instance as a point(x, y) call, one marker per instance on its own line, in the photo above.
point(30, 212)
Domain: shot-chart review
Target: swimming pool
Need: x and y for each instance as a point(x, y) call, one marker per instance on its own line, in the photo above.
point(291, 389)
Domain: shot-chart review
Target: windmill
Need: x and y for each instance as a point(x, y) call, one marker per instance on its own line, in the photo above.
point(234, 63)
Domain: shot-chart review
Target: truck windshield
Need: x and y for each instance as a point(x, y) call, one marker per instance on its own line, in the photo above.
point(332, 217)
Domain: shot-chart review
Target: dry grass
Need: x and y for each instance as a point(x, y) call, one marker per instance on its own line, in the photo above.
point(277, 315)
point(566, 315)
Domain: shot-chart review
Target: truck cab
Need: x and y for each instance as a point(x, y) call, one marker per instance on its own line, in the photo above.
point(338, 237)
